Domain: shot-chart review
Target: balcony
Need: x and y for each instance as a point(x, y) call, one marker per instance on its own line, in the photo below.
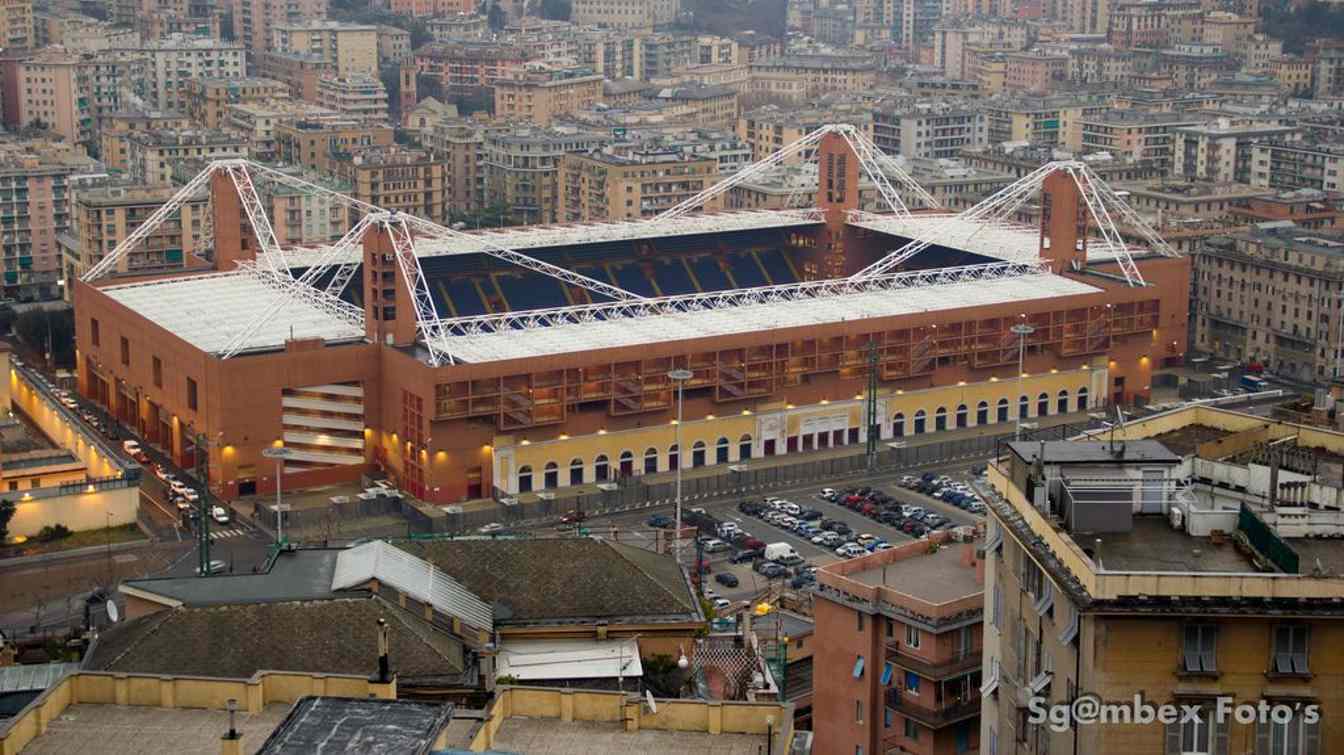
point(953, 710)
point(960, 663)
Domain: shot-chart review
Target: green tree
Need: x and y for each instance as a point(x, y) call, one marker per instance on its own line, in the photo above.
point(1299, 25)
point(7, 509)
point(43, 329)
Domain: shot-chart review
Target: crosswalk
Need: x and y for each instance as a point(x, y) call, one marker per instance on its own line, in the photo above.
point(222, 534)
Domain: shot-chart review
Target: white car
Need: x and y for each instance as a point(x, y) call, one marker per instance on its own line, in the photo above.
point(179, 487)
point(189, 495)
point(792, 509)
point(220, 514)
point(828, 493)
point(819, 539)
point(722, 604)
point(709, 593)
point(491, 527)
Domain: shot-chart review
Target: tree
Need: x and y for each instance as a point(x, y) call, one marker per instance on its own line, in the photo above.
point(40, 328)
point(7, 509)
point(1299, 25)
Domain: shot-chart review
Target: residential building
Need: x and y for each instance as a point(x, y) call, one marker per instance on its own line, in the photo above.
point(898, 650)
point(705, 106)
point(1293, 75)
point(257, 123)
point(207, 99)
point(36, 181)
point(461, 65)
point(1034, 72)
point(1132, 562)
point(1303, 164)
point(1221, 151)
point(622, 184)
point(395, 178)
point(351, 49)
point(952, 44)
point(1017, 161)
point(1095, 65)
point(307, 216)
point(625, 14)
point(770, 128)
point(1036, 120)
point(469, 25)
point(254, 19)
point(799, 77)
point(1270, 295)
point(80, 33)
point(931, 130)
point(427, 114)
point(104, 215)
point(113, 148)
point(179, 60)
point(539, 96)
point(50, 88)
point(1141, 137)
point(462, 145)
point(1228, 32)
point(300, 72)
point(319, 145)
point(1305, 208)
point(152, 154)
point(362, 98)
point(522, 168)
point(16, 25)
point(394, 45)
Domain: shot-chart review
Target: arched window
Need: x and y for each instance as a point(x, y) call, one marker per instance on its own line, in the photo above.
point(600, 471)
point(1023, 406)
point(525, 479)
point(919, 421)
point(1043, 405)
point(698, 454)
point(721, 451)
point(744, 448)
point(1082, 399)
point(650, 460)
point(1003, 410)
point(962, 413)
point(940, 419)
point(627, 463)
point(898, 425)
point(552, 477)
point(982, 413)
point(576, 471)
point(673, 457)
point(1062, 405)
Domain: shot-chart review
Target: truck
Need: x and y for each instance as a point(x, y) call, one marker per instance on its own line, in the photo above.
point(782, 553)
point(1253, 384)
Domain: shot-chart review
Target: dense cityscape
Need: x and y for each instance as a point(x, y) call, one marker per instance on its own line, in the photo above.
point(676, 376)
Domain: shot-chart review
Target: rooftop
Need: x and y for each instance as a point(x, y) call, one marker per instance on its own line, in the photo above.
point(936, 577)
point(208, 310)
point(150, 731)
point(1152, 545)
point(553, 737)
point(303, 574)
point(1085, 452)
point(352, 725)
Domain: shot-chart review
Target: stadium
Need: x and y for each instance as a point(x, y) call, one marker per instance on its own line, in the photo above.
point(495, 363)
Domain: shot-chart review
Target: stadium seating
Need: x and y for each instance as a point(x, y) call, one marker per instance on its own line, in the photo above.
point(746, 273)
point(531, 291)
point(777, 266)
point(465, 297)
point(631, 278)
point(709, 274)
point(672, 277)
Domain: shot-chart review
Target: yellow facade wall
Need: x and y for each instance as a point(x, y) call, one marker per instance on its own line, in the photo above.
point(62, 431)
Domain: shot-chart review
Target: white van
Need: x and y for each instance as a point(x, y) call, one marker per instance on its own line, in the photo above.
point(782, 553)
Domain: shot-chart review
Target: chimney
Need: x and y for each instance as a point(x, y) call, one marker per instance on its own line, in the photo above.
point(384, 673)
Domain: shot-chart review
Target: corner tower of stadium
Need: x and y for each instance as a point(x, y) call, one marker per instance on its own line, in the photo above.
point(496, 363)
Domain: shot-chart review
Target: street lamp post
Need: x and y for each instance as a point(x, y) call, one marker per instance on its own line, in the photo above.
point(679, 376)
point(1021, 330)
point(279, 453)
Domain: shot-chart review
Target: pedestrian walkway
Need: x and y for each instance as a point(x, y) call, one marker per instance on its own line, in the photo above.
point(223, 534)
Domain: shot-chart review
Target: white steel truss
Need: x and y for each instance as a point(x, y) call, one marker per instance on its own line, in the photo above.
point(789, 292)
point(427, 319)
point(344, 272)
point(997, 211)
point(186, 193)
point(256, 215)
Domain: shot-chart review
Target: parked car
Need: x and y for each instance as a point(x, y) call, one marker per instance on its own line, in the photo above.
point(573, 517)
point(849, 550)
point(726, 579)
point(810, 515)
point(220, 514)
point(715, 545)
point(772, 570)
point(215, 567)
point(746, 556)
point(749, 508)
point(661, 521)
point(491, 528)
point(722, 604)
point(828, 493)
point(802, 581)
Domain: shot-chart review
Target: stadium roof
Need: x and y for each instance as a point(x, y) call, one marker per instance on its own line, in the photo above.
point(997, 239)
point(522, 342)
point(207, 311)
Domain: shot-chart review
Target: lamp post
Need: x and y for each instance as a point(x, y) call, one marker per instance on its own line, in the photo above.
point(279, 453)
point(679, 376)
point(1021, 330)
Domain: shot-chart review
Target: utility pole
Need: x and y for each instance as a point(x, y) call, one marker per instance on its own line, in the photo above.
point(201, 462)
point(870, 407)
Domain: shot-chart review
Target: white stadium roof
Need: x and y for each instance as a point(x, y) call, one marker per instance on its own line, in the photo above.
point(997, 239)
point(560, 338)
point(207, 311)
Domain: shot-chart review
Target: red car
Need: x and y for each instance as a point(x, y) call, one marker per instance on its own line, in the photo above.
point(573, 517)
point(752, 543)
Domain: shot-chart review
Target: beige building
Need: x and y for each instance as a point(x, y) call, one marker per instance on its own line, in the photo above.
point(352, 49)
point(624, 14)
point(51, 89)
point(462, 145)
point(16, 24)
point(795, 78)
point(114, 150)
point(320, 145)
point(362, 98)
point(607, 186)
point(394, 45)
point(539, 96)
point(1222, 151)
point(522, 168)
point(770, 128)
point(153, 154)
point(179, 60)
point(207, 99)
point(395, 178)
point(105, 215)
point(1034, 72)
point(1145, 138)
point(36, 181)
point(254, 19)
point(1297, 165)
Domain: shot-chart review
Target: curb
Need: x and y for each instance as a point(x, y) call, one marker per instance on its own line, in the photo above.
point(73, 553)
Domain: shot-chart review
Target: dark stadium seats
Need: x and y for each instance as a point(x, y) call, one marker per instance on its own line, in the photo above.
point(776, 266)
point(531, 291)
point(672, 277)
point(746, 273)
point(709, 274)
point(631, 278)
point(466, 298)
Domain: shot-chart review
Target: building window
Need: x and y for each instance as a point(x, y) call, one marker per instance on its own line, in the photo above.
point(912, 682)
point(860, 615)
point(650, 460)
point(191, 394)
point(1023, 407)
point(1290, 649)
point(158, 373)
point(982, 413)
point(1003, 410)
point(1195, 733)
point(1043, 404)
point(576, 471)
point(887, 717)
point(919, 422)
point(94, 331)
point(898, 425)
point(962, 413)
point(525, 479)
point(600, 468)
point(698, 454)
point(552, 476)
point(858, 667)
point(125, 351)
point(1199, 651)
point(911, 730)
point(940, 419)
point(721, 451)
point(912, 636)
point(1294, 737)
point(858, 711)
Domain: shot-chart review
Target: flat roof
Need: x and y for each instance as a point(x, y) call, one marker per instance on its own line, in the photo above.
point(938, 577)
point(1096, 452)
point(207, 311)
point(353, 725)
point(555, 737)
point(304, 574)
point(865, 302)
point(1002, 240)
point(1152, 545)
point(149, 730)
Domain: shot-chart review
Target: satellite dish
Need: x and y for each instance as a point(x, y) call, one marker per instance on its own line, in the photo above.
point(113, 612)
point(648, 696)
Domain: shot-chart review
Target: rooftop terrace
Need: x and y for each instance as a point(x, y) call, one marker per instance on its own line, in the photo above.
point(937, 577)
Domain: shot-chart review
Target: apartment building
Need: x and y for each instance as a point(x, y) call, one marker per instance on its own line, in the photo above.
point(319, 145)
point(1271, 295)
point(435, 9)
point(307, 216)
point(467, 64)
point(929, 130)
point(179, 60)
point(206, 100)
point(1018, 161)
point(953, 44)
point(361, 98)
point(396, 178)
point(1302, 164)
point(80, 33)
point(462, 146)
point(469, 25)
point(152, 155)
point(1155, 25)
point(795, 78)
point(394, 45)
point(1221, 151)
point(770, 128)
point(1034, 72)
point(48, 88)
point(625, 184)
point(522, 168)
point(704, 106)
point(1140, 137)
point(1112, 571)
point(351, 49)
point(114, 151)
point(104, 215)
point(299, 72)
point(16, 25)
point(1036, 120)
point(898, 647)
point(539, 96)
point(1293, 74)
point(1102, 65)
point(625, 14)
point(36, 180)
point(254, 19)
